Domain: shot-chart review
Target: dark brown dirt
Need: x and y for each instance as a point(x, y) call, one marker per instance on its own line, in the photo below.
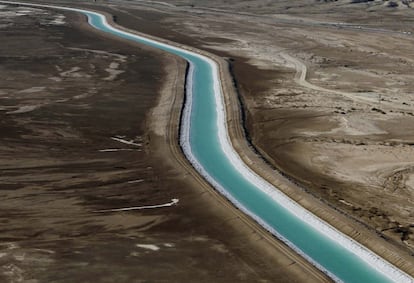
point(274, 128)
point(55, 176)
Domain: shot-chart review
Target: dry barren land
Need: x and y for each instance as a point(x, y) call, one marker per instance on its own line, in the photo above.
point(89, 123)
point(326, 89)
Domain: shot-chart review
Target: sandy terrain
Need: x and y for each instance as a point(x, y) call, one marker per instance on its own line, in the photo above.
point(89, 124)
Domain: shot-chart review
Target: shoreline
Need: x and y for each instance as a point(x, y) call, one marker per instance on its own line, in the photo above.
point(231, 127)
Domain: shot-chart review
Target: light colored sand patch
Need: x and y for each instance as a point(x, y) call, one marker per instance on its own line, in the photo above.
point(130, 142)
point(19, 256)
point(114, 65)
point(30, 10)
point(59, 20)
point(116, 149)
point(70, 72)
point(112, 74)
point(33, 89)
point(148, 247)
point(81, 96)
point(56, 79)
point(85, 95)
point(219, 248)
point(62, 100)
point(173, 202)
point(345, 202)
point(113, 71)
point(10, 14)
point(10, 246)
point(24, 109)
point(74, 73)
point(169, 245)
point(25, 11)
point(135, 181)
point(3, 255)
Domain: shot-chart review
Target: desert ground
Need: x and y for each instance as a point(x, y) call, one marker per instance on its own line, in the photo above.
point(89, 124)
point(326, 93)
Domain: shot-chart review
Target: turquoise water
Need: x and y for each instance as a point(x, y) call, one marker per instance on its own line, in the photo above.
point(334, 258)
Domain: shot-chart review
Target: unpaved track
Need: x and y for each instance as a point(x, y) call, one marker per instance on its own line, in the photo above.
point(301, 75)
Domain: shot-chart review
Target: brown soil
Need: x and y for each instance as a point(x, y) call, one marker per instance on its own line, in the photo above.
point(65, 93)
point(344, 134)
